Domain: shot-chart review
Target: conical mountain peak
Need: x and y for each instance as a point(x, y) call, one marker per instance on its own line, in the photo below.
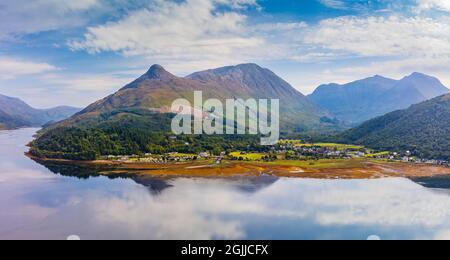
point(158, 72)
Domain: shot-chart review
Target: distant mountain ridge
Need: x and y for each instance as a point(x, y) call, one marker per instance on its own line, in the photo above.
point(422, 129)
point(14, 113)
point(365, 99)
point(9, 122)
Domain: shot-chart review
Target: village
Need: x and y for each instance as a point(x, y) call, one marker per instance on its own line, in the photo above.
point(293, 150)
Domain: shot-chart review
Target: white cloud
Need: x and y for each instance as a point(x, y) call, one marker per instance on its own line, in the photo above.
point(61, 87)
point(381, 36)
point(336, 4)
point(424, 5)
point(345, 49)
point(238, 4)
point(331, 72)
point(23, 17)
point(67, 5)
point(76, 89)
point(361, 6)
point(86, 82)
point(167, 33)
point(11, 68)
point(398, 68)
point(192, 35)
point(193, 32)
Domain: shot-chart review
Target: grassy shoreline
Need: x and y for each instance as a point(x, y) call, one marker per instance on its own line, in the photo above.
point(362, 168)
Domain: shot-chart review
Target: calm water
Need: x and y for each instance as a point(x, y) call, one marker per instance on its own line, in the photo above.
point(39, 204)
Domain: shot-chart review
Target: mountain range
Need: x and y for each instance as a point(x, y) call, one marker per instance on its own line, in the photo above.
point(157, 89)
point(136, 119)
point(14, 113)
point(422, 129)
point(365, 99)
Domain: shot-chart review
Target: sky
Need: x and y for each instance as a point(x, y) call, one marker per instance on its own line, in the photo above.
point(65, 52)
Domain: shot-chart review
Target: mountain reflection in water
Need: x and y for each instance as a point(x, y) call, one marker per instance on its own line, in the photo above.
point(156, 184)
point(56, 201)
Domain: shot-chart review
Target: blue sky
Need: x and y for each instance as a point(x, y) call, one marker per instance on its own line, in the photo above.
point(64, 52)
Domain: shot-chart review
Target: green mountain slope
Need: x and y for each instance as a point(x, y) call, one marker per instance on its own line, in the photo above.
point(297, 113)
point(422, 129)
point(157, 89)
point(136, 118)
point(127, 132)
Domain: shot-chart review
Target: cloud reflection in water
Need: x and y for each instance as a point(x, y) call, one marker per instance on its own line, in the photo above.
point(37, 204)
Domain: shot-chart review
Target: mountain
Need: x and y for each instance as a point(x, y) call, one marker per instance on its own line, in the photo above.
point(9, 122)
point(19, 110)
point(251, 81)
point(59, 113)
point(422, 129)
point(14, 113)
point(137, 118)
point(157, 89)
point(365, 99)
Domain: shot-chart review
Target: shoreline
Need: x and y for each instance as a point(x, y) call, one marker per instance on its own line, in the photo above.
point(321, 169)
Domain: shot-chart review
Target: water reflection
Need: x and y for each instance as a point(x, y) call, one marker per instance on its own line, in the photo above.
point(437, 182)
point(36, 203)
point(155, 184)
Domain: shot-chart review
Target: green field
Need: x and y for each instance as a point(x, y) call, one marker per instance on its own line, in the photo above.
point(374, 155)
point(333, 145)
point(247, 156)
point(181, 155)
point(290, 142)
point(299, 143)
